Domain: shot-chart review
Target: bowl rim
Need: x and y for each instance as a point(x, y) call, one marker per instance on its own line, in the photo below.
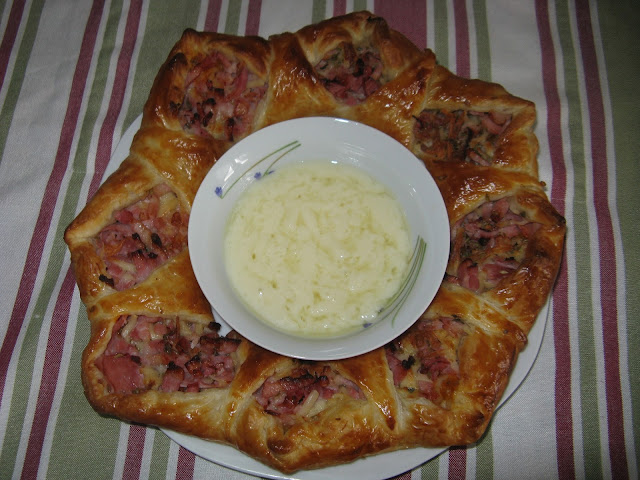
point(291, 141)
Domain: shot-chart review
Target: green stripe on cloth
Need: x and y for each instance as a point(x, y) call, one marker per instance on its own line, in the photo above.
point(159, 456)
point(318, 11)
point(359, 5)
point(484, 456)
point(233, 18)
point(3, 4)
point(77, 415)
point(483, 48)
point(431, 469)
point(621, 58)
point(588, 369)
point(441, 32)
point(159, 37)
point(19, 68)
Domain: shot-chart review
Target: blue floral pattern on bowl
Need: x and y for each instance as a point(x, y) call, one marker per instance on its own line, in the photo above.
point(283, 151)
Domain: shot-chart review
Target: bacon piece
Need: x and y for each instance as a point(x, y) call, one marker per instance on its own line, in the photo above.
point(117, 344)
point(123, 373)
point(467, 275)
point(399, 368)
point(429, 350)
point(478, 159)
point(460, 135)
point(435, 366)
point(498, 268)
point(219, 101)
point(487, 245)
point(172, 379)
point(213, 344)
point(120, 362)
point(351, 74)
point(283, 397)
point(185, 356)
point(140, 240)
point(499, 209)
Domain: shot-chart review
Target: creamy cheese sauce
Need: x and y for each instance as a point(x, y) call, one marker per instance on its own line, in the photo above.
point(317, 249)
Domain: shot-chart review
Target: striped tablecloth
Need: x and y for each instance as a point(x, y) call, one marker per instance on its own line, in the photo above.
point(73, 77)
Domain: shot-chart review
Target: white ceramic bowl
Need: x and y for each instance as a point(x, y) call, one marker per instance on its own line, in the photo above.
point(318, 139)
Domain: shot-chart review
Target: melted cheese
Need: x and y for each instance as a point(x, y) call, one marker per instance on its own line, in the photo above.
point(168, 203)
point(317, 249)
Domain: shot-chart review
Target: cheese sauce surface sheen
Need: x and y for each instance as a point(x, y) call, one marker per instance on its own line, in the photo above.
point(317, 249)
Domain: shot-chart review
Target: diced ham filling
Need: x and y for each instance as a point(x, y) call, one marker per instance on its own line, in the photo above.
point(297, 393)
point(487, 245)
point(144, 236)
point(152, 353)
point(222, 96)
point(460, 135)
point(351, 74)
point(425, 360)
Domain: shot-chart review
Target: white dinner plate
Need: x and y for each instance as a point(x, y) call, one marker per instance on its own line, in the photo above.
point(380, 466)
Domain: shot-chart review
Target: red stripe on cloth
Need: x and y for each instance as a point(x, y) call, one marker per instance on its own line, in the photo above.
point(457, 463)
point(105, 139)
point(213, 16)
point(135, 449)
point(186, 464)
point(608, 283)
point(339, 7)
point(9, 38)
point(53, 356)
point(253, 17)
point(463, 62)
point(36, 247)
point(410, 20)
point(562, 345)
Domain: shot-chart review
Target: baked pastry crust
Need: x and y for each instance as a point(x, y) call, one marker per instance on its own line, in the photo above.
point(439, 383)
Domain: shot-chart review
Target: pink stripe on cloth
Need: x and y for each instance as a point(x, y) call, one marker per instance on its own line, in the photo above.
point(36, 247)
point(51, 369)
point(607, 251)
point(562, 346)
point(463, 62)
point(135, 450)
point(105, 139)
point(186, 464)
point(213, 16)
point(339, 7)
point(9, 38)
point(252, 26)
point(410, 20)
point(457, 463)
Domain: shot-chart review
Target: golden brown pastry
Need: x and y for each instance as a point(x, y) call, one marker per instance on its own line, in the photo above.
point(156, 355)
